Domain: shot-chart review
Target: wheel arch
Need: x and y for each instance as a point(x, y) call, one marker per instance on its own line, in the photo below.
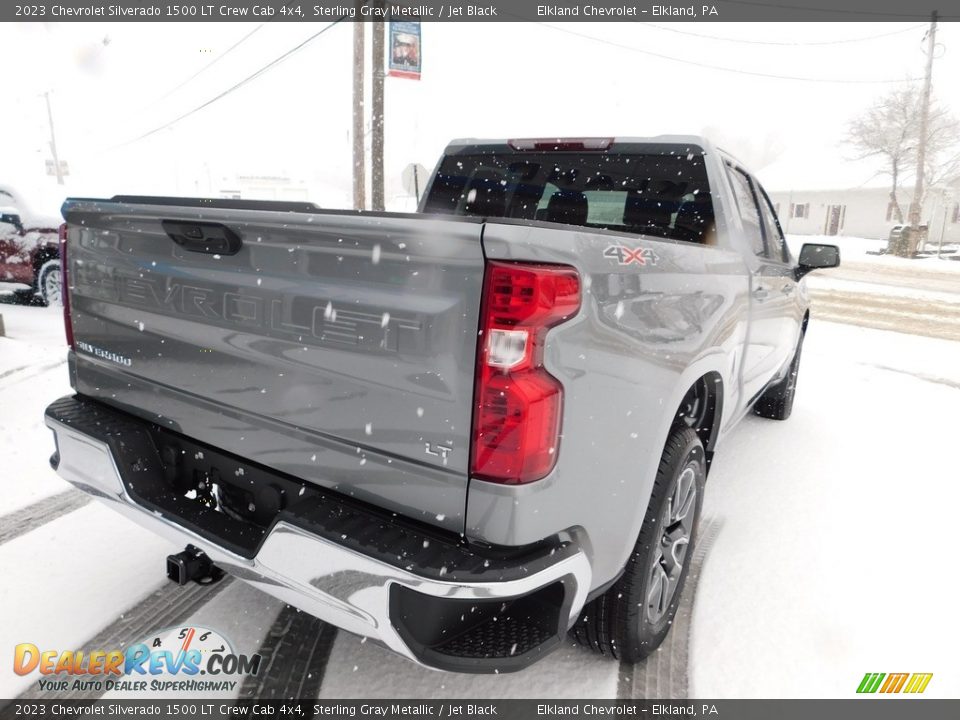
point(708, 388)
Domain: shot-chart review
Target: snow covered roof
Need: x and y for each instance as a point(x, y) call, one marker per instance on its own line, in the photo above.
point(37, 206)
point(825, 168)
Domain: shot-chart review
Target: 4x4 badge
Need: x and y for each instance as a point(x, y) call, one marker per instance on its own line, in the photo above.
point(625, 256)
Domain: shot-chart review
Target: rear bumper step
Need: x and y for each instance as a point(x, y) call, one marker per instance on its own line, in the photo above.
point(420, 592)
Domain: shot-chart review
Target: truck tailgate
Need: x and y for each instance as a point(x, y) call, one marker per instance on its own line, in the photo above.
point(336, 347)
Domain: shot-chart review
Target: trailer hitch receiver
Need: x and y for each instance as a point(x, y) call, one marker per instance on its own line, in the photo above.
point(192, 564)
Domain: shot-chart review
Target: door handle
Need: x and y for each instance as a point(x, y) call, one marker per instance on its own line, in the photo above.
point(761, 293)
point(787, 289)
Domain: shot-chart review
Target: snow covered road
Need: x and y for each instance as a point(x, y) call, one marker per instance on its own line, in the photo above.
point(836, 538)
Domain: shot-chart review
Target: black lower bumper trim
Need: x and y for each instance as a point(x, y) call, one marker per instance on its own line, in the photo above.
point(146, 465)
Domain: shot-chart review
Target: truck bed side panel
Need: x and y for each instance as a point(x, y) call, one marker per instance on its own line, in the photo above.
point(644, 334)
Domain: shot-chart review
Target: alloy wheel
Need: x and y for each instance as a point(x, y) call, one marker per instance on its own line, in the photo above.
point(670, 554)
point(51, 287)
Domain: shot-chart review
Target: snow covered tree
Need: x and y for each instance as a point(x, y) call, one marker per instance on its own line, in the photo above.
point(890, 130)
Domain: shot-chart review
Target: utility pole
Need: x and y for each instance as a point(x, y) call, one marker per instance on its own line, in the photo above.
point(376, 118)
point(915, 208)
point(943, 224)
point(53, 141)
point(359, 160)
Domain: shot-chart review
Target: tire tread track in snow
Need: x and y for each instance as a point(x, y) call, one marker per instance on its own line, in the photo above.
point(918, 375)
point(294, 655)
point(167, 606)
point(665, 673)
point(35, 371)
point(25, 519)
point(11, 371)
point(914, 316)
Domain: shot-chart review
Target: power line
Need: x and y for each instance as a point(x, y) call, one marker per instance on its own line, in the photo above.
point(209, 64)
point(214, 61)
point(721, 68)
point(273, 63)
point(786, 44)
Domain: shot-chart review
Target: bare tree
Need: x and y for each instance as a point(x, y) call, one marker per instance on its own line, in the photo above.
point(943, 147)
point(890, 129)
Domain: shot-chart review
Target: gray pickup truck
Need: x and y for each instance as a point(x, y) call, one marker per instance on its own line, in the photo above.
point(462, 432)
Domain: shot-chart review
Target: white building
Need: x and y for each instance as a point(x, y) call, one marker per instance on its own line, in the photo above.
point(821, 192)
point(867, 212)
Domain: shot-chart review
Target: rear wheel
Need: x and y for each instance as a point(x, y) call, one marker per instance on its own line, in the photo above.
point(776, 403)
point(48, 283)
point(633, 617)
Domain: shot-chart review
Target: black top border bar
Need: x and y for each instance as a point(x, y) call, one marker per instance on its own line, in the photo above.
point(478, 11)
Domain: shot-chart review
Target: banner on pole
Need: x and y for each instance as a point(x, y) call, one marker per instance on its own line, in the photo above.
point(405, 55)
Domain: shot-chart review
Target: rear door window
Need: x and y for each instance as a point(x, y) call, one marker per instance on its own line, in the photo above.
point(661, 191)
point(776, 243)
point(747, 207)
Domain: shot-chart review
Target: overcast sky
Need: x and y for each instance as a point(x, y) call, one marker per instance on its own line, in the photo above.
point(111, 83)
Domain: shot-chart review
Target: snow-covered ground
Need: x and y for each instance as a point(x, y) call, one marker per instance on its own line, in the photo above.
point(33, 372)
point(835, 555)
point(838, 544)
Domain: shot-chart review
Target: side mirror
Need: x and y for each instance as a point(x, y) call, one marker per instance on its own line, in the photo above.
point(814, 256)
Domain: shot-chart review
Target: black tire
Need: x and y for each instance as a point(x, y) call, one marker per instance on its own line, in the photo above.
point(776, 402)
point(48, 282)
point(631, 619)
point(22, 297)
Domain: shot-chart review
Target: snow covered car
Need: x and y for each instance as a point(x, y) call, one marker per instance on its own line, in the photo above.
point(29, 255)
point(455, 431)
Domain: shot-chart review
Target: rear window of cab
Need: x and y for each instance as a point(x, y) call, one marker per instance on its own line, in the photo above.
point(663, 193)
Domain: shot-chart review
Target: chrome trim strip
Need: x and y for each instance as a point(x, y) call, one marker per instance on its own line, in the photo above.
point(336, 584)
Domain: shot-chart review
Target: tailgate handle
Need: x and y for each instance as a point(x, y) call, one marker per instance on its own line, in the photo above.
point(203, 237)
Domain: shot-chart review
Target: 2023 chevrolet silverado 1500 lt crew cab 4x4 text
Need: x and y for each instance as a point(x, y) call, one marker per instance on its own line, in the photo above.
point(456, 431)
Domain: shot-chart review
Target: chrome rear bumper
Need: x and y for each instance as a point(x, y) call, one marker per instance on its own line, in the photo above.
point(334, 583)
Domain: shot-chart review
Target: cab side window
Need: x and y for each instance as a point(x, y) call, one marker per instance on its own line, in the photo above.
point(747, 205)
point(776, 244)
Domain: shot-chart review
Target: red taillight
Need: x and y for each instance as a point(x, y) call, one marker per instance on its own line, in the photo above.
point(65, 287)
point(517, 403)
